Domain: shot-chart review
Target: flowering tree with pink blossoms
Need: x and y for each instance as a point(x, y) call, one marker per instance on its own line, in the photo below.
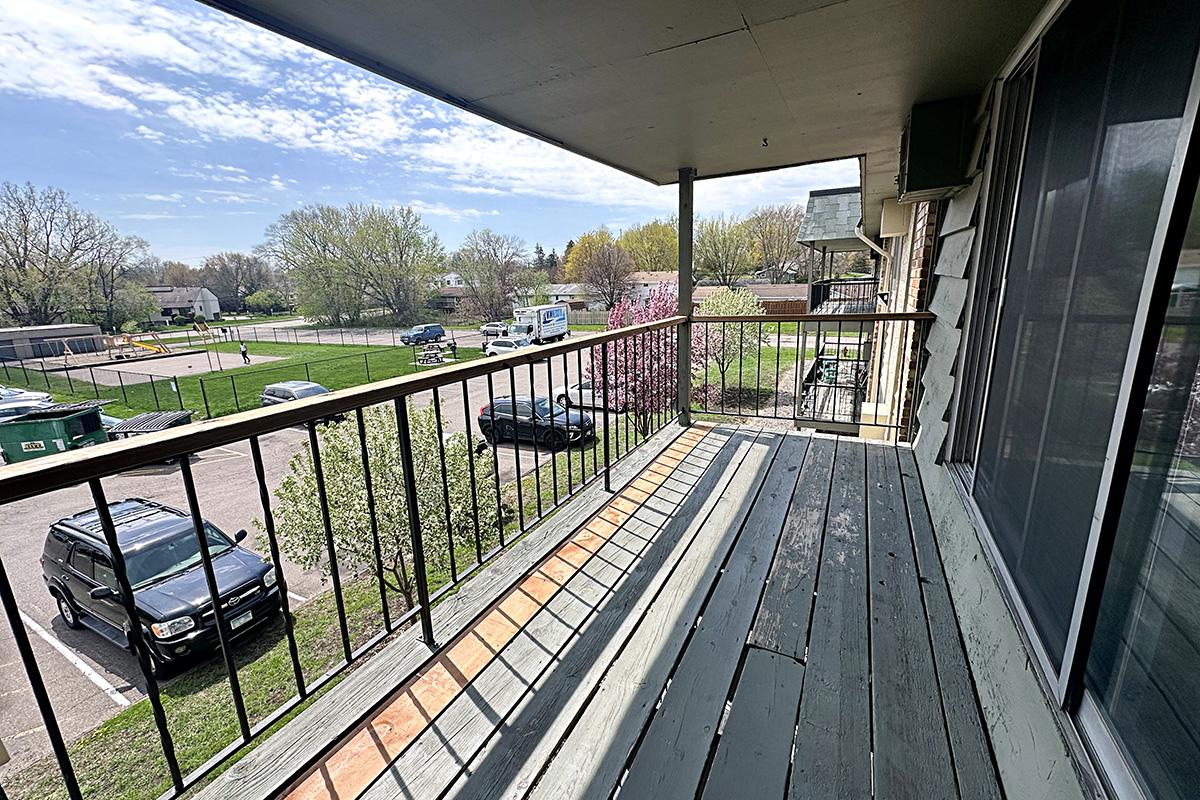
point(641, 369)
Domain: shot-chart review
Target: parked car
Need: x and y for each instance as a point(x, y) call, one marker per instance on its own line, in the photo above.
point(286, 391)
point(170, 592)
point(504, 345)
point(420, 334)
point(534, 418)
point(494, 329)
point(17, 407)
point(581, 393)
point(16, 393)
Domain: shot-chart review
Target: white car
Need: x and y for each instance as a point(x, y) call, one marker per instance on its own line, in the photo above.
point(11, 409)
point(504, 345)
point(8, 393)
point(494, 329)
point(582, 394)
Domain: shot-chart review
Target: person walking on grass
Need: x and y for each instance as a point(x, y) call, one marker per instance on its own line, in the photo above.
point(245, 353)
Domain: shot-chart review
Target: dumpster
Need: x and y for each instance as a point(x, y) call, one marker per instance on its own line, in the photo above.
point(49, 430)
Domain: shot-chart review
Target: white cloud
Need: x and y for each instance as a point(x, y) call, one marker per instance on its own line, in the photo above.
point(174, 197)
point(202, 76)
point(455, 214)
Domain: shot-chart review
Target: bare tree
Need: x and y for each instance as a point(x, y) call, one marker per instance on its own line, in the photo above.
point(605, 271)
point(490, 264)
point(108, 277)
point(774, 231)
point(723, 249)
point(232, 277)
point(45, 244)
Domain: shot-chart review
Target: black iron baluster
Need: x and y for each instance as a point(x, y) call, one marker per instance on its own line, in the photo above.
point(567, 398)
point(839, 386)
point(516, 440)
point(414, 519)
point(707, 335)
point(567, 432)
point(604, 400)
point(224, 636)
point(533, 423)
point(45, 708)
point(758, 371)
point(579, 368)
point(724, 362)
point(437, 421)
point(371, 512)
point(327, 523)
point(778, 349)
point(595, 439)
point(495, 436)
point(471, 473)
point(801, 360)
point(741, 343)
point(264, 496)
point(623, 375)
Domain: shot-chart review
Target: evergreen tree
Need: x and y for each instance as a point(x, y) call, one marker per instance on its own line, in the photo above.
point(539, 257)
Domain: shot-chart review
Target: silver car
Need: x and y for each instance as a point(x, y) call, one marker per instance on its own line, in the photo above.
point(286, 391)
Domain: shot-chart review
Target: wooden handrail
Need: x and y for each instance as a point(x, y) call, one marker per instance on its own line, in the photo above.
point(50, 473)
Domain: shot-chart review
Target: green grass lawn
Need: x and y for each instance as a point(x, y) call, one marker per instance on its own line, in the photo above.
point(333, 366)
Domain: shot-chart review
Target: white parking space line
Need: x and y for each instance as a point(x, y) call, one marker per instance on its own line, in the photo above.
point(297, 597)
point(81, 665)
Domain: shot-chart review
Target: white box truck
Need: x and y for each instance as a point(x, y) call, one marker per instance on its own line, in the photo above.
point(540, 324)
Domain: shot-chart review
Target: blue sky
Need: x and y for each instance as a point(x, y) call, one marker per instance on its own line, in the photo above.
point(195, 131)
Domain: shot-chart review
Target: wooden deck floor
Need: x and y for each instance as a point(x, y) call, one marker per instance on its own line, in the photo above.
point(759, 615)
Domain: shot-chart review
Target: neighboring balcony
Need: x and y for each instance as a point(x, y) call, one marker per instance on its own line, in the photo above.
point(730, 608)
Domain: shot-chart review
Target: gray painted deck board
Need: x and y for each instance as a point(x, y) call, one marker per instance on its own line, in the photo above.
point(592, 756)
point(261, 773)
point(442, 751)
point(670, 758)
point(973, 762)
point(912, 752)
point(832, 758)
point(756, 744)
point(512, 760)
point(782, 620)
point(823, 550)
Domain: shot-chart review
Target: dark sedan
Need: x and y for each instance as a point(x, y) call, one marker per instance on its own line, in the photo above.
point(534, 419)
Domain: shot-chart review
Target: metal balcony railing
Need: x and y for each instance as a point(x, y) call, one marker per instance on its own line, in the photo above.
point(843, 372)
point(632, 371)
point(845, 296)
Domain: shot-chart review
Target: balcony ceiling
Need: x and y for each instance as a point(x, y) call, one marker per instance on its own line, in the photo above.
point(648, 87)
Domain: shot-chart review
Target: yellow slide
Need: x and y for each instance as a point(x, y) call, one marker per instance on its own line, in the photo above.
point(157, 348)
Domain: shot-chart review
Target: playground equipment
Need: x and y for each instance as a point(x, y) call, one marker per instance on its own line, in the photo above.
point(124, 345)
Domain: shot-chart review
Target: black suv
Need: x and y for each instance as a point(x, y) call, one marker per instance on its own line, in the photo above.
point(420, 334)
point(534, 418)
point(162, 560)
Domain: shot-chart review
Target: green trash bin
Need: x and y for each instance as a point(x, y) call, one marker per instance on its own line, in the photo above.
point(54, 429)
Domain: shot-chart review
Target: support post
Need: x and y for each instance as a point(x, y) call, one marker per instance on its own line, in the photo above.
point(683, 349)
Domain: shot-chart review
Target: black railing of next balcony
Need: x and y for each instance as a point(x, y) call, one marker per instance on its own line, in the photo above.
point(855, 373)
point(533, 456)
point(844, 296)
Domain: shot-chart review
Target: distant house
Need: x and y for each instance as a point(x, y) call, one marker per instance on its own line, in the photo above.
point(642, 283)
point(183, 301)
point(575, 296)
point(777, 298)
point(448, 299)
point(452, 280)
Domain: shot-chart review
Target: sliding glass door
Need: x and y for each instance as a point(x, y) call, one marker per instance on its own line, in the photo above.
point(1109, 95)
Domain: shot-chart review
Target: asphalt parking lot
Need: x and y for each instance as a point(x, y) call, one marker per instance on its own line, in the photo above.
point(90, 679)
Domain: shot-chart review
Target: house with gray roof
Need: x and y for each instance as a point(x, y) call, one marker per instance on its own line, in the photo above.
point(184, 301)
